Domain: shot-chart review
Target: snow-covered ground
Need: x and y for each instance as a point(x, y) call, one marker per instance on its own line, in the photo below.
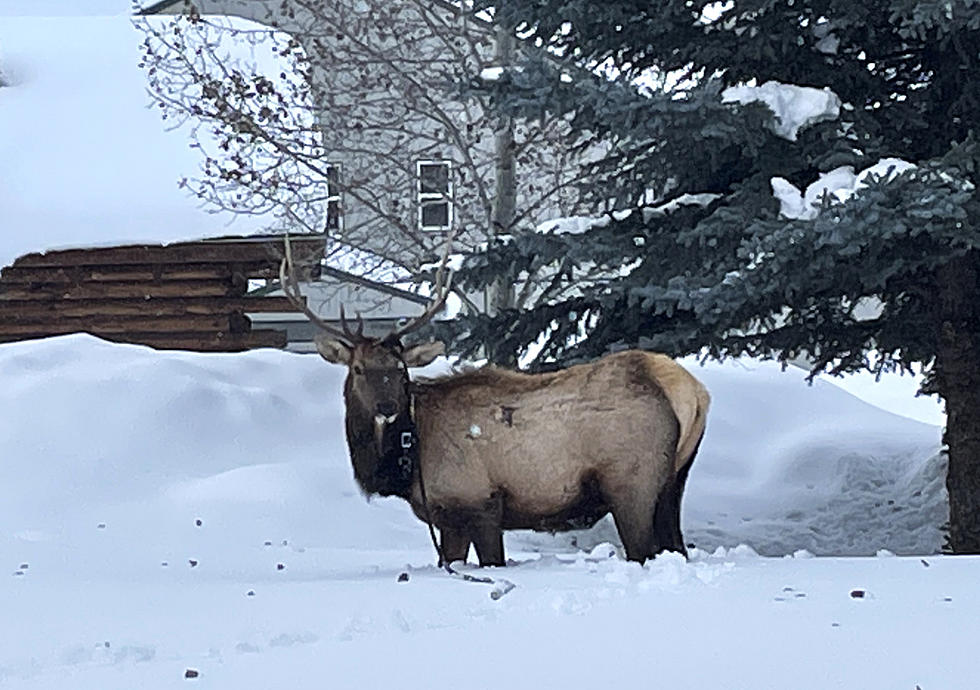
point(164, 511)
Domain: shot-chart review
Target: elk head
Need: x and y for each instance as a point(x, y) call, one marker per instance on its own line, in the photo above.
point(380, 418)
point(377, 373)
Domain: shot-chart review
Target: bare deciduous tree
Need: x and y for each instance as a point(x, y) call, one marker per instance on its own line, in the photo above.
point(350, 117)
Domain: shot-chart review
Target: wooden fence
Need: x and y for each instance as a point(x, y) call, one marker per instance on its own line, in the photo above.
point(187, 296)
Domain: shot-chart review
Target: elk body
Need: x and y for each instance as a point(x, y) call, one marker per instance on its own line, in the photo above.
point(495, 450)
point(481, 452)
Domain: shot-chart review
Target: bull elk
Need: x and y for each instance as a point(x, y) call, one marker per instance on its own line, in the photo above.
point(489, 450)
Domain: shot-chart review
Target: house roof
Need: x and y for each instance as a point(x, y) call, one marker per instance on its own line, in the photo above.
point(157, 7)
point(390, 290)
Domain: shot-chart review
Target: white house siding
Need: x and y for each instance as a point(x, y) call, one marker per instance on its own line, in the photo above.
point(380, 83)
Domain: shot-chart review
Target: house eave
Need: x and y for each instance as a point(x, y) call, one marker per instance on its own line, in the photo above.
point(157, 7)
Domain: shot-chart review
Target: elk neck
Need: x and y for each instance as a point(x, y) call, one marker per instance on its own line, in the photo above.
point(384, 452)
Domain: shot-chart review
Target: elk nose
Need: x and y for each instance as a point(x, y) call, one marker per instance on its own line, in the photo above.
point(387, 408)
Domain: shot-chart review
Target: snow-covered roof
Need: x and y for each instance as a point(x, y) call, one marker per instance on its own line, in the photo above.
point(84, 160)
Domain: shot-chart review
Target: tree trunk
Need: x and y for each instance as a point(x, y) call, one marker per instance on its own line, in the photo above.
point(958, 379)
point(501, 294)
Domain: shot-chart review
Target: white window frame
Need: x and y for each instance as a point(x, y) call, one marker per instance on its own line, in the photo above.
point(429, 198)
point(335, 195)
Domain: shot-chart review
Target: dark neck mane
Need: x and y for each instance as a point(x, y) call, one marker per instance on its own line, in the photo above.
point(389, 473)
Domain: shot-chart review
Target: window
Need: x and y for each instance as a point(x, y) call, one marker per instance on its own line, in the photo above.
point(435, 195)
point(334, 219)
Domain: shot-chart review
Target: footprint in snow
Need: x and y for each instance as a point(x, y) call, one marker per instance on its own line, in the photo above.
point(293, 639)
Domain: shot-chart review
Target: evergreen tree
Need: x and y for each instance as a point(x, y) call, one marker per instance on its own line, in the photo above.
point(694, 252)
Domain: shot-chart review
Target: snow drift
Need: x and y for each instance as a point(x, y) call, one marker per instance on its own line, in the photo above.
point(257, 438)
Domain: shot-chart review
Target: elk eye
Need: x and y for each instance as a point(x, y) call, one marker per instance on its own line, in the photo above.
point(358, 369)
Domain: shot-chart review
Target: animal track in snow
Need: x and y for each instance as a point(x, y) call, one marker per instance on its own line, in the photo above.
point(292, 639)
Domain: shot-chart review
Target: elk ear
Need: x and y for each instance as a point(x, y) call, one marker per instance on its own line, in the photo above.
point(332, 350)
point(420, 355)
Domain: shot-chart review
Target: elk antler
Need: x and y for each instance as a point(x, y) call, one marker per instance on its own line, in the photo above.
point(290, 286)
point(444, 281)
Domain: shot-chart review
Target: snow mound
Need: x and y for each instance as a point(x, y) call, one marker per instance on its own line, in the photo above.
point(145, 443)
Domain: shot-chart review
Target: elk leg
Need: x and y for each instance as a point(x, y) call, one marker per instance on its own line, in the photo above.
point(455, 544)
point(487, 533)
point(633, 503)
point(635, 526)
point(667, 514)
point(488, 538)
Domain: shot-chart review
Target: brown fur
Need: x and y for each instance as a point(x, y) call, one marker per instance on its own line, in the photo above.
point(500, 449)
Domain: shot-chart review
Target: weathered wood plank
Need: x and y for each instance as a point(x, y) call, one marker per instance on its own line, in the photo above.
point(155, 306)
point(235, 324)
point(269, 250)
point(198, 342)
point(137, 272)
point(144, 290)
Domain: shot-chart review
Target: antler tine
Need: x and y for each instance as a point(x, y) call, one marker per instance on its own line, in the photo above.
point(443, 286)
point(343, 323)
point(290, 286)
point(353, 335)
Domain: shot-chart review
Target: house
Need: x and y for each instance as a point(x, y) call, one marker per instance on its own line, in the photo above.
point(405, 160)
point(400, 167)
point(380, 307)
point(199, 295)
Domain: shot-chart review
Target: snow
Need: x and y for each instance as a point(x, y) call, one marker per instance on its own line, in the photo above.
point(895, 393)
point(454, 262)
point(492, 73)
point(886, 169)
point(576, 225)
point(827, 42)
point(166, 511)
point(840, 184)
point(570, 225)
point(795, 107)
point(83, 159)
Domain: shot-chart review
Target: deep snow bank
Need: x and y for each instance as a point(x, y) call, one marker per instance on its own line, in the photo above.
point(93, 433)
